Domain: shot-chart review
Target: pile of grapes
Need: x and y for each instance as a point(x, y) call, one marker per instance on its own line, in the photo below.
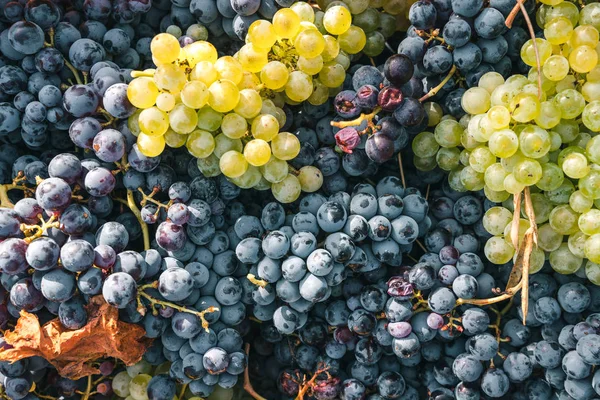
point(330, 200)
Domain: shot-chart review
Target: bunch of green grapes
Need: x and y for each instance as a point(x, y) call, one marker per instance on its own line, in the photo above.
point(302, 55)
point(213, 106)
point(514, 137)
point(132, 384)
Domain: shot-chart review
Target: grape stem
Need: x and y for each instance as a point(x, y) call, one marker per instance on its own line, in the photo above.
point(436, 89)
point(153, 302)
point(135, 210)
point(356, 122)
point(258, 282)
point(247, 384)
point(33, 232)
point(74, 71)
point(138, 74)
point(306, 385)
point(401, 170)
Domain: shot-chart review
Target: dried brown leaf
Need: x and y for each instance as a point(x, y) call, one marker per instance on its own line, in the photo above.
point(73, 351)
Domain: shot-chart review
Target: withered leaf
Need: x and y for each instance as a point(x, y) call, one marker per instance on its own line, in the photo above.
point(72, 352)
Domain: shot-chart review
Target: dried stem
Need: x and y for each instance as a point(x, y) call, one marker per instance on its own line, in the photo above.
point(401, 169)
point(357, 121)
point(247, 384)
point(436, 89)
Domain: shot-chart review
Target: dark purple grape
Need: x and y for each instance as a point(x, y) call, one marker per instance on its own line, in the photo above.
point(345, 105)
point(104, 256)
point(410, 112)
point(49, 60)
point(379, 147)
point(398, 69)
point(400, 287)
point(65, 166)
point(170, 237)
point(366, 97)
point(26, 37)
point(25, 296)
point(53, 194)
point(422, 15)
point(99, 182)
point(109, 145)
point(42, 12)
point(178, 213)
point(85, 52)
point(83, 130)
point(80, 100)
point(389, 98)
point(76, 220)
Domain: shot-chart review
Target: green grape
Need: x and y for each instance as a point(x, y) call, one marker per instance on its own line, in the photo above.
point(141, 367)
point(576, 243)
point(548, 238)
point(584, 35)
point(368, 20)
point(248, 179)
point(120, 384)
point(525, 107)
point(332, 75)
point(501, 96)
point(288, 190)
point(263, 184)
point(448, 158)
point(448, 133)
point(138, 387)
point(285, 146)
point(589, 222)
point(233, 164)
point(353, 40)
point(494, 177)
point(170, 78)
point(275, 170)
point(592, 248)
point(583, 59)
point(425, 145)
point(374, 45)
point(568, 130)
point(563, 220)
point(558, 30)
point(556, 142)
point(523, 226)
point(223, 144)
point(570, 103)
point(504, 143)
point(498, 251)
point(582, 140)
point(165, 101)
point(556, 68)
point(310, 178)
point(490, 81)
point(174, 139)
point(468, 141)
point(153, 122)
point(590, 185)
point(257, 152)
point(495, 196)
point(533, 88)
point(592, 149)
point(200, 143)
point(569, 82)
point(455, 182)
point(304, 11)
point(575, 165)
point(209, 119)
point(183, 119)
point(562, 155)
point(592, 271)
point(204, 72)
point(512, 185)
point(142, 92)
point(486, 129)
point(299, 86)
point(434, 114)
point(534, 142)
point(223, 95)
point(536, 261)
point(562, 193)
point(495, 220)
point(542, 208)
point(464, 157)
point(234, 126)
point(509, 163)
point(481, 158)
point(591, 116)
point(563, 261)
point(591, 91)
point(425, 163)
point(209, 166)
point(549, 115)
point(265, 127)
point(150, 146)
point(476, 100)
point(471, 179)
point(528, 53)
point(194, 94)
point(499, 117)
